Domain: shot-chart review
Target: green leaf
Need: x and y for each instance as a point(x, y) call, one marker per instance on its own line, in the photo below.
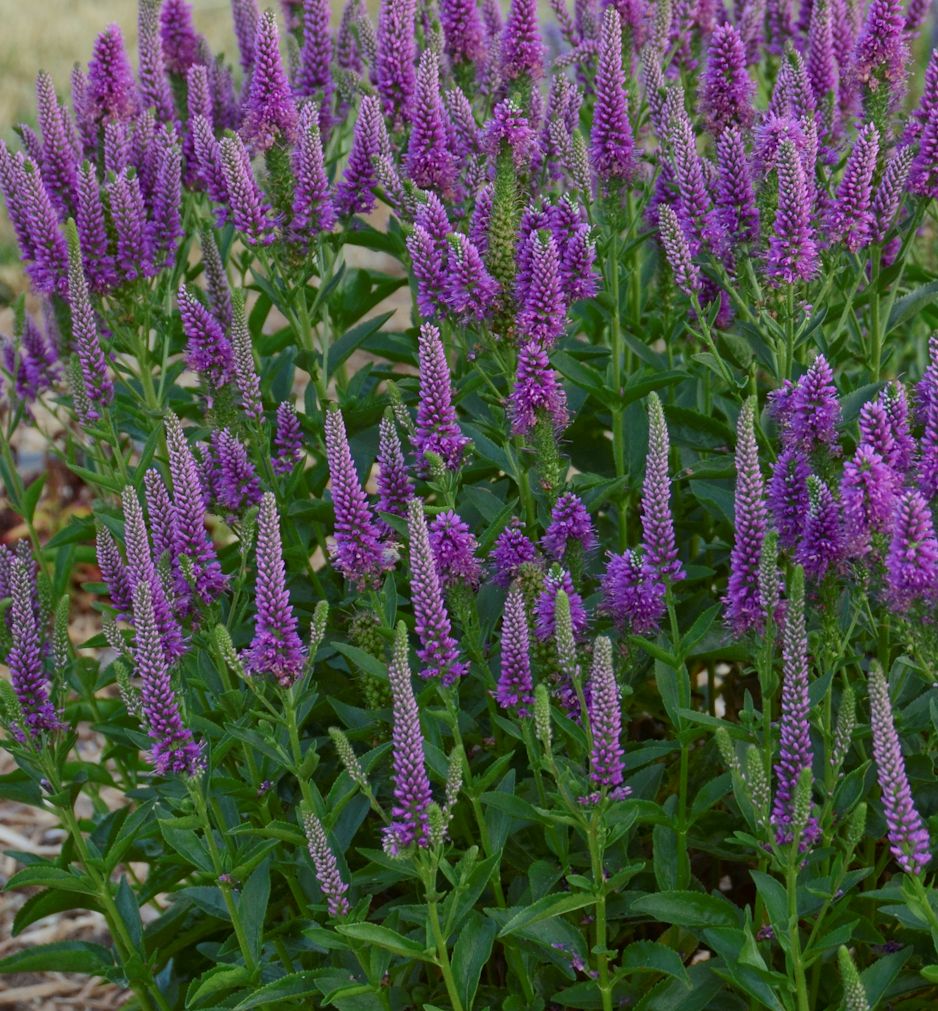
point(364, 661)
point(31, 497)
point(384, 937)
point(48, 903)
point(878, 977)
point(546, 909)
point(688, 909)
point(297, 984)
point(126, 903)
point(48, 876)
point(61, 956)
point(650, 956)
point(473, 949)
point(252, 905)
point(584, 377)
point(640, 386)
point(218, 980)
point(911, 304)
point(187, 844)
point(352, 339)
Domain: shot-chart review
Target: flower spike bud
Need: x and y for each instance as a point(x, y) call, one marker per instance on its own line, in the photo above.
point(327, 869)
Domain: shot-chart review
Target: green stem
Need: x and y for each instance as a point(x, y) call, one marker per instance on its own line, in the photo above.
point(198, 800)
point(615, 341)
point(599, 877)
point(442, 952)
point(876, 335)
point(794, 935)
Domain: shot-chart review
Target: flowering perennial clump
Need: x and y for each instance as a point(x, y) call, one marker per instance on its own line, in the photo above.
point(582, 366)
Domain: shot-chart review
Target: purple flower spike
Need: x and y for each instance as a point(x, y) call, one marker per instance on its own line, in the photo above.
point(430, 162)
point(162, 515)
point(902, 451)
point(396, 55)
point(851, 220)
point(313, 211)
point(96, 378)
point(155, 92)
point(633, 594)
point(543, 316)
point(165, 227)
point(395, 489)
point(12, 184)
point(693, 205)
point(314, 72)
point(179, 37)
point(727, 88)
point(470, 290)
point(438, 649)
point(49, 268)
point(605, 718)
point(820, 62)
point(522, 51)
point(174, 749)
point(792, 255)
point(612, 144)
point(428, 260)
point(359, 554)
point(735, 200)
point(133, 258)
point(788, 496)
point(677, 251)
point(657, 523)
point(270, 112)
point(545, 625)
point(881, 55)
point(437, 429)
point(288, 439)
point(891, 190)
point(208, 350)
point(822, 545)
point(795, 754)
point(327, 869)
point(908, 837)
point(112, 93)
point(114, 573)
point(25, 657)
point(868, 493)
point(744, 609)
point(538, 393)
point(59, 159)
point(141, 569)
point(923, 172)
point(209, 167)
point(815, 410)
point(246, 16)
point(912, 563)
point(512, 550)
point(236, 484)
point(515, 689)
point(276, 648)
point(928, 453)
point(249, 209)
point(355, 193)
point(249, 385)
point(410, 823)
point(462, 30)
point(209, 582)
point(570, 523)
point(454, 550)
